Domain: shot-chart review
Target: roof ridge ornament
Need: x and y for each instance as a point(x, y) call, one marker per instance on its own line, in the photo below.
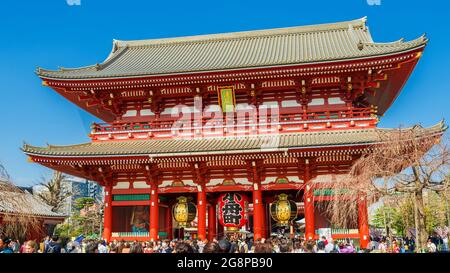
point(442, 125)
point(364, 21)
point(424, 36)
point(115, 46)
point(360, 45)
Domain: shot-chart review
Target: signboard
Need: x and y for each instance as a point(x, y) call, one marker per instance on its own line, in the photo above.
point(227, 99)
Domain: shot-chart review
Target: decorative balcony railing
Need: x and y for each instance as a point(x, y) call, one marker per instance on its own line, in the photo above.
point(344, 231)
point(363, 117)
point(137, 235)
point(130, 234)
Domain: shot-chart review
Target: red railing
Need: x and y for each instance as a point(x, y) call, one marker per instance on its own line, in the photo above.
point(234, 120)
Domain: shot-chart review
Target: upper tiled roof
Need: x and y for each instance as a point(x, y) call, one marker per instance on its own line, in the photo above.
point(249, 49)
point(219, 145)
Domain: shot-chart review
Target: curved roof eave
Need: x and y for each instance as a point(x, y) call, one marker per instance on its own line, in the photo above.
point(50, 76)
point(296, 141)
point(353, 33)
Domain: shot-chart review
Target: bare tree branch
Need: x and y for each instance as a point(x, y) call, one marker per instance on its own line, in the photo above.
point(404, 161)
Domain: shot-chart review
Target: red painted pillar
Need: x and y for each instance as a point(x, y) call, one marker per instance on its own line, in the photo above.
point(107, 214)
point(264, 221)
point(169, 223)
point(154, 213)
point(201, 209)
point(309, 205)
point(363, 222)
point(270, 225)
point(257, 212)
point(212, 222)
point(309, 213)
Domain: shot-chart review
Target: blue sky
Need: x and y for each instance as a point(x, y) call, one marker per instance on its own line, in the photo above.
point(52, 33)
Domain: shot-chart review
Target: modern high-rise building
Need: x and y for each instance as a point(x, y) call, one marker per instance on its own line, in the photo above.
point(79, 188)
point(75, 188)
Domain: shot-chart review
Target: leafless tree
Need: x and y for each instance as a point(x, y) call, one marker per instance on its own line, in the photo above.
point(15, 217)
point(403, 162)
point(4, 176)
point(53, 194)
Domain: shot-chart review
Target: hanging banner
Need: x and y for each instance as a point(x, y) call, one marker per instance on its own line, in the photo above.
point(227, 100)
point(232, 210)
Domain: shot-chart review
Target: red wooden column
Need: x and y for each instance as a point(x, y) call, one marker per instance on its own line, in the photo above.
point(154, 213)
point(169, 223)
point(309, 205)
point(257, 212)
point(363, 222)
point(212, 221)
point(201, 209)
point(107, 214)
point(264, 221)
point(258, 217)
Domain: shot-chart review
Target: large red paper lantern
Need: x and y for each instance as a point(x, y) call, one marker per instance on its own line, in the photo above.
point(232, 210)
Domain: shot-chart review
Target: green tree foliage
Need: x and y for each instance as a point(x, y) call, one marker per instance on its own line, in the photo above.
point(390, 219)
point(397, 215)
point(86, 221)
point(436, 211)
point(84, 202)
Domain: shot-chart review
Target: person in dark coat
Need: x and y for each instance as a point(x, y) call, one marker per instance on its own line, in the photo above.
point(54, 246)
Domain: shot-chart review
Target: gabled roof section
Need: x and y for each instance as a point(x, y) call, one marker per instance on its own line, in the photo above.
point(25, 203)
point(237, 50)
point(218, 145)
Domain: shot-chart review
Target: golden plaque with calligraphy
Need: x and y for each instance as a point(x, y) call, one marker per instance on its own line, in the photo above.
point(227, 100)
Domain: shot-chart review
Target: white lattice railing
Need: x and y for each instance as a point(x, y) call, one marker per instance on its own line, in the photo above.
point(130, 234)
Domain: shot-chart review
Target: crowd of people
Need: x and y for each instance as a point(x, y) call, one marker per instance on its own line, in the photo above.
point(392, 245)
point(407, 245)
point(226, 244)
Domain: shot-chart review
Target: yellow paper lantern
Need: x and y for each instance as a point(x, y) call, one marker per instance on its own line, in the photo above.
point(184, 211)
point(283, 211)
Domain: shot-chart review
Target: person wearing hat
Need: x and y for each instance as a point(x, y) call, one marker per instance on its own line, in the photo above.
point(4, 245)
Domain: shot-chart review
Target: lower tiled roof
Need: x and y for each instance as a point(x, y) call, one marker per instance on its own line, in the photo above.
point(218, 145)
point(25, 203)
